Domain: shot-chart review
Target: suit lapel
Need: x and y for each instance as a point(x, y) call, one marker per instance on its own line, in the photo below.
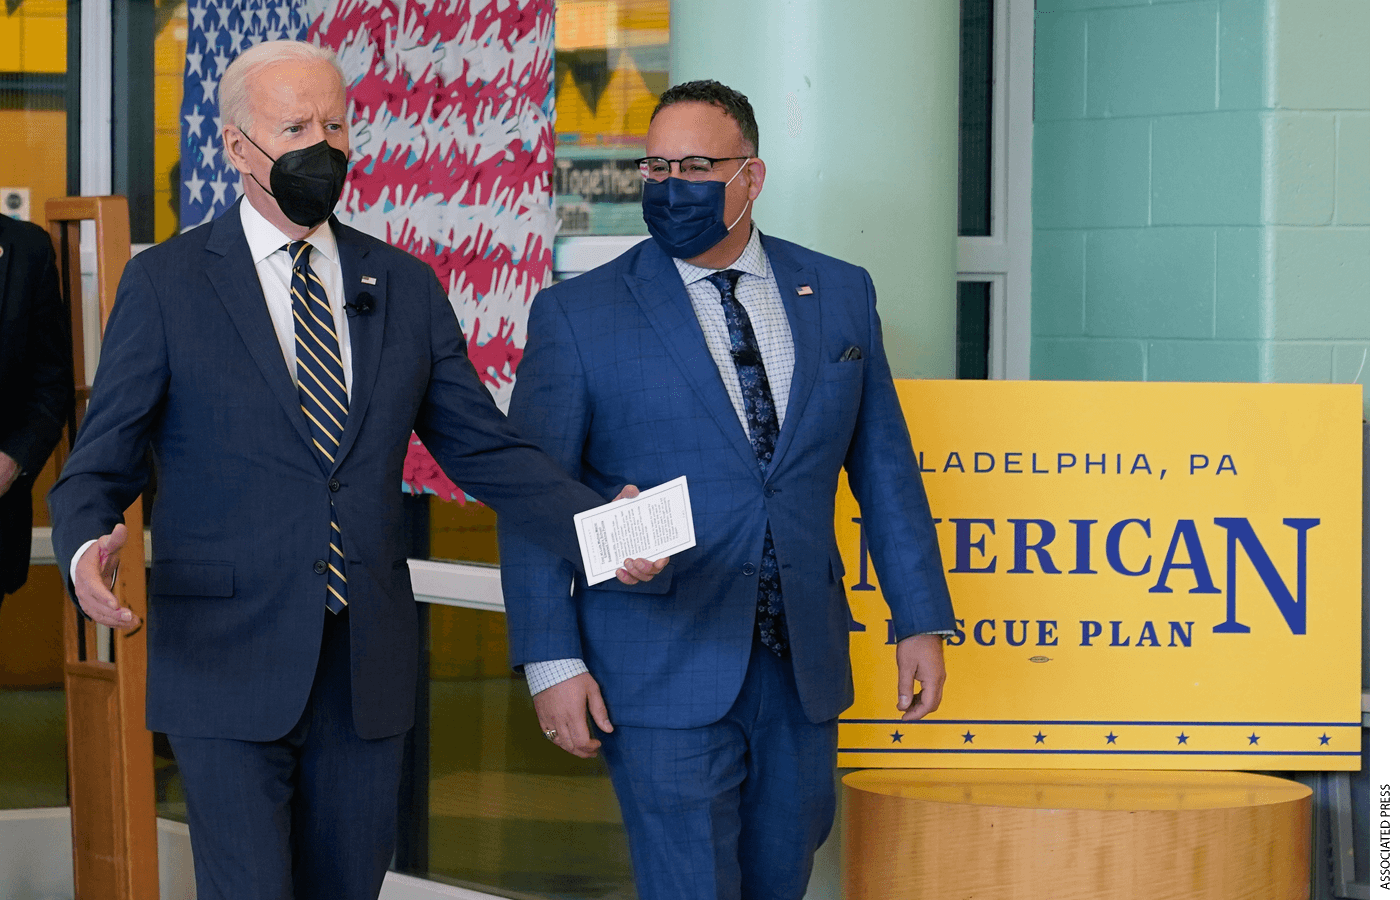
point(658, 289)
point(366, 329)
point(235, 281)
point(804, 319)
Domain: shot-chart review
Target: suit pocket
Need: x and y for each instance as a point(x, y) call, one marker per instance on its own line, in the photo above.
point(838, 568)
point(843, 369)
point(661, 584)
point(188, 578)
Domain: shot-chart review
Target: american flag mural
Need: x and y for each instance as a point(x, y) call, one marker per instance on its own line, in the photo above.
point(452, 148)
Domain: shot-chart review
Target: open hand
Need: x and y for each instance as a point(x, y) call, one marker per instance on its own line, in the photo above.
point(96, 576)
point(635, 570)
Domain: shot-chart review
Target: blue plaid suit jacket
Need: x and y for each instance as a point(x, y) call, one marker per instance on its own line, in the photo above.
point(617, 384)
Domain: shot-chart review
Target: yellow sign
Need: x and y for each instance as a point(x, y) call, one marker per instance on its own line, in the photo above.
point(1144, 576)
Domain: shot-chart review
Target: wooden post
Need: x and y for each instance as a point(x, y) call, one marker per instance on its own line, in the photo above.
point(111, 765)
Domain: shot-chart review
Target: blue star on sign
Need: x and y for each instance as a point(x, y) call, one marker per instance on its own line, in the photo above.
point(1325, 739)
point(897, 737)
point(1039, 738)
point(1181, 739)
point(1253, 739)
point(1111, 737)
point(967, 738)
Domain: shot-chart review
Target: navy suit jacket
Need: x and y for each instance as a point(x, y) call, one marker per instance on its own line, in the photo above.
point(192, 370)
point(36, 380)
point(618, 385)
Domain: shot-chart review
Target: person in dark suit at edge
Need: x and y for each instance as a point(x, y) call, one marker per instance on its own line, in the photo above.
point(755, 368)
point(36, 383)
point(283, 642)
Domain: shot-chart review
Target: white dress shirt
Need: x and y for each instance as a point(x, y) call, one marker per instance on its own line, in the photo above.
point(274, 267)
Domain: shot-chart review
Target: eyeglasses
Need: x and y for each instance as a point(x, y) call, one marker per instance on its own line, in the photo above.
point(692, 168)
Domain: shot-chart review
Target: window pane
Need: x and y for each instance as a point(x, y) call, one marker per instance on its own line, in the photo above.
point(172, 18)
point(490, 804)
point(975, 120)
point(33, 107)
point(974, 328)
point(458, 533)
point(612, 62)
point(33, 767)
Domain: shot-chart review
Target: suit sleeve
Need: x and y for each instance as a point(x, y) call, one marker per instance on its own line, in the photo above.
point(550, 405)
point(885, 480)
point(108, 467)
point(485, 455)
point(49, 367)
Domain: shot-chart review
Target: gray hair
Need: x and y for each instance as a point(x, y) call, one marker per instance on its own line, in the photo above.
point(233, 89)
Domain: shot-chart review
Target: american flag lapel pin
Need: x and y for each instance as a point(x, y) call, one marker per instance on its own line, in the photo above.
point(804, 290)
point(368, 279)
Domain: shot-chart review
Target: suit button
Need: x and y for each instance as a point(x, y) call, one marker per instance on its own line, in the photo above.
point(749, 569)
point(334, 485)
point(320, 567)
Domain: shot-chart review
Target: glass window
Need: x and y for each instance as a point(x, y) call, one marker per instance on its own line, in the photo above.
point(487, 803)
point(974, 328)
point(172, 17)
point(33, 106)
point(612, 62)
point(975, 120)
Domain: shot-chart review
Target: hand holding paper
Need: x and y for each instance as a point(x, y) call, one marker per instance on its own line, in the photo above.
point(650, 526)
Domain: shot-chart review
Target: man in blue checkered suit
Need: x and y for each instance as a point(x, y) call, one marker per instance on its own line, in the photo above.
point(755, 368)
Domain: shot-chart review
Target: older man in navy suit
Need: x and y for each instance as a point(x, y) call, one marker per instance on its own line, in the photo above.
point(755, 368)
point(274, 362)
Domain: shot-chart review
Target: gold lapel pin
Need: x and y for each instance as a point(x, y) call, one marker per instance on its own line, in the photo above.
point(368, 279)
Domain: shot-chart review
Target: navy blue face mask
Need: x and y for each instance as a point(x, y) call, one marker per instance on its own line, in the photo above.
point(687, 217)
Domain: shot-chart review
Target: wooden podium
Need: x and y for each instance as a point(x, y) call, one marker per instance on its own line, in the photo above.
point(111, 765)
point(1001, 834)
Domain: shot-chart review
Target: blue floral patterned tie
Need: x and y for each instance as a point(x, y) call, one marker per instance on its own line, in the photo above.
point(763, 434)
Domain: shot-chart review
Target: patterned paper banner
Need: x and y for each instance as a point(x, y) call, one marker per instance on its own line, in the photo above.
point(452, 148)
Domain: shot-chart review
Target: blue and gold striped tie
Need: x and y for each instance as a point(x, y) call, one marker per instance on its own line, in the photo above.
point(321, 385)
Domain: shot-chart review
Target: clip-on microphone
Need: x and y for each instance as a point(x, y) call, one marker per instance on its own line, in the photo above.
point(362, 306)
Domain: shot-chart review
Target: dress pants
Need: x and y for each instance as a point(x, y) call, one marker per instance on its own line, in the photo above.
point(308, 817)
point(734, 810)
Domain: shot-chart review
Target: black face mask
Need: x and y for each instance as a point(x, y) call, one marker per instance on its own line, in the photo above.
point(306, 183)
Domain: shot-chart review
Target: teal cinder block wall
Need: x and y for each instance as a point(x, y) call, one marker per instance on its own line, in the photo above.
point(1201, 175)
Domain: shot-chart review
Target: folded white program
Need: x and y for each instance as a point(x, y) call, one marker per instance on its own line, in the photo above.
point(655, 523)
